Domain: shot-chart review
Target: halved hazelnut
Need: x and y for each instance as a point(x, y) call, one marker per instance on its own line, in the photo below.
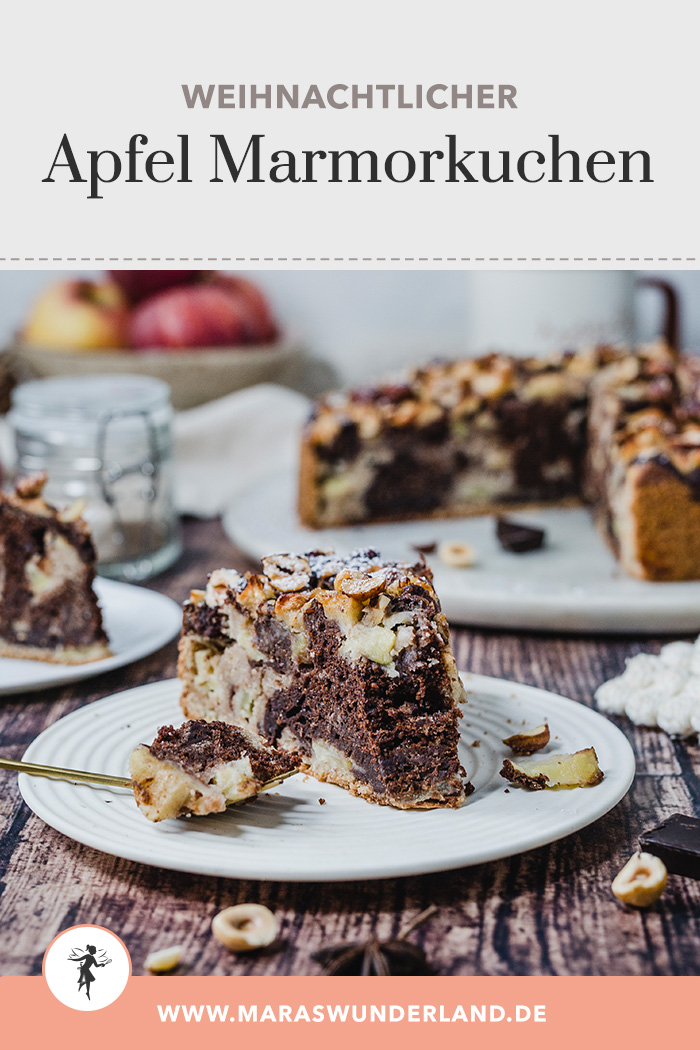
point(257, 591)
point(529, 741)
point(31, 486)
point(287, 573)
point(642, 880)
point(164, 960)
point(244, 927)
point(220, 582)
point(360, 584)
point(342, 608)
point(289, 609)
point(405, 414)
point(457, 555)
point(548, 386)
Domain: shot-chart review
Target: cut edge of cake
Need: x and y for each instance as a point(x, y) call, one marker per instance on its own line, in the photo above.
point(643, 465)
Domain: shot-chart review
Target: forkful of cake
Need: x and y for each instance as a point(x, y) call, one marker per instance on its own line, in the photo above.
point(198, 768)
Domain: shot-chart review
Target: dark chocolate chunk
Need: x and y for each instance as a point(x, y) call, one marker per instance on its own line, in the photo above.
point(676, 841)
point(425, 548)
point(518, 538)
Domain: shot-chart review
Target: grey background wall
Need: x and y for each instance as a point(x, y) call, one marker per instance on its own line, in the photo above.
point(366, 321)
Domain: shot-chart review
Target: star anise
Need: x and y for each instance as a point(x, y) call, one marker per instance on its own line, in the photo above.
point(375, 958)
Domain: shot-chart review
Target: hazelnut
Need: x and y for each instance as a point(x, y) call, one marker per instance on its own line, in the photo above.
point(325, 429)
point(458, 555)
point(32, 486)
point(642, 880)
point(405, 414)
point(164, 960)
point(257, 591)
point(493, 379)
point(220, 582)
point(289, 609)
point(287, 573)
point(428, 413)
point(360, 584)
point(368, 421)
point(547, 386)
point(245, 927)
point(340, 607)
point(529, 740)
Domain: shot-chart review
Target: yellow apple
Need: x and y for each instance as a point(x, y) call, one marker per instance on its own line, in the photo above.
point(78, 315)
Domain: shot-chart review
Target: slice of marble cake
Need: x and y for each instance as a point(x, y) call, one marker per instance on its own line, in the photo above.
point(343, 661)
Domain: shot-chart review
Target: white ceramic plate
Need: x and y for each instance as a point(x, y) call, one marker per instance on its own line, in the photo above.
point(573, 584)
point(138, 622)
point(286, 835)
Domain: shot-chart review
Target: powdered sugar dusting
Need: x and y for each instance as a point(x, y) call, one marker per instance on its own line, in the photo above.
point(325, 565)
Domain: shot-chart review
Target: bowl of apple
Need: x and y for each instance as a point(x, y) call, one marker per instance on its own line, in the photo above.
point(205, 333)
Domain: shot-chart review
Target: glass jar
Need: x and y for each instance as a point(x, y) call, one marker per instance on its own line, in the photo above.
point(108, 440)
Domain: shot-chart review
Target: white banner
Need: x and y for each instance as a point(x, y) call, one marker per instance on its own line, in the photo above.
point(516, 134)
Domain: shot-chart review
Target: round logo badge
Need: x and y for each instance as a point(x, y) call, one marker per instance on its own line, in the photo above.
point(86, 967)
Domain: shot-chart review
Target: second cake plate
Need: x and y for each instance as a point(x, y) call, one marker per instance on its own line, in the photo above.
point(572, 584)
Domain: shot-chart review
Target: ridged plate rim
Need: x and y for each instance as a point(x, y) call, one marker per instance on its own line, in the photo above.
point(287, 836)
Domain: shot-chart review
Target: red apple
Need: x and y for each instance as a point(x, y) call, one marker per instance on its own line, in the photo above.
point(78, 315)
point(260, 327)
point(197, 315)
point(139, 284)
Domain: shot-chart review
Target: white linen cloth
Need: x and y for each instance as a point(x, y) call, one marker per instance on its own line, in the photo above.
point(225, 446)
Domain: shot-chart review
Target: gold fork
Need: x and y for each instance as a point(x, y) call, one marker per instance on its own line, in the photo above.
point(79, 776)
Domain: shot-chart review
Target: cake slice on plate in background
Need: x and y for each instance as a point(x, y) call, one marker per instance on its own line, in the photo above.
point(48, 608)
point(344, 662)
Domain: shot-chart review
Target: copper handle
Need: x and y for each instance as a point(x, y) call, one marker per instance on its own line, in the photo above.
point(671, 327)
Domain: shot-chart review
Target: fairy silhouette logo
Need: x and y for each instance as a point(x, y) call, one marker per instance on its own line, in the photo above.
point(91, 959)
point(87, 967)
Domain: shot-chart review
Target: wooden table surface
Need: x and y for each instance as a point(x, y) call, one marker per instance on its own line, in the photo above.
point(549, 911)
